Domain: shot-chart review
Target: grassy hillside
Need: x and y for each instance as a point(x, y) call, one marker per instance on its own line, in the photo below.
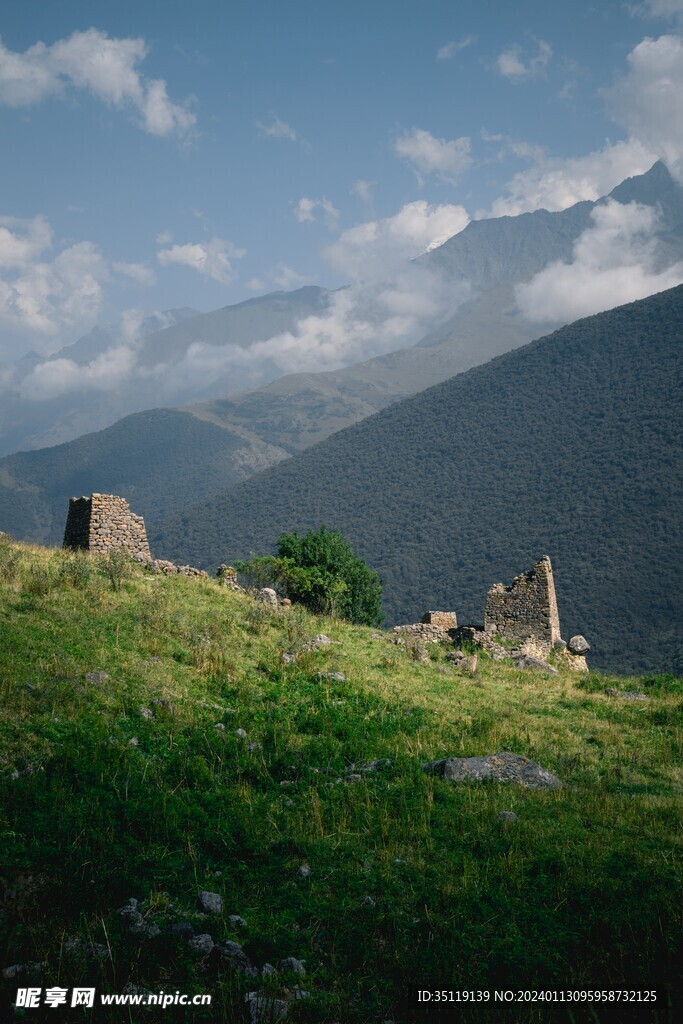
point(138, 785)
point(569, 447)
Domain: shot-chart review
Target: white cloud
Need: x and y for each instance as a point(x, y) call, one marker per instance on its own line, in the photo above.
point(615, 261)
point(105, 67)
point(22, 241)
point(46, 298)
point(276, 129)
point(449, 50)
point(514, 64)
point(428, 154)
point(305, 211)
point(255, 284)
point(660, 8)
point(212, 259)
point(363, 189)
point(553, 183)
point(369, 248)
point(286, 277)
point(164, 238)
point(137, 272)
point(57, 377)
point(648, 100)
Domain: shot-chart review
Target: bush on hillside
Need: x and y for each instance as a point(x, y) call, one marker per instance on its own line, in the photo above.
point(321, 571)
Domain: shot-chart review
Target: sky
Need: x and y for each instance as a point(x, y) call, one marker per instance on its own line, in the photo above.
point(163, 154)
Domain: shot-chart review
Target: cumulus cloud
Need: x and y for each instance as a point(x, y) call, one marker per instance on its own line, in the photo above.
point(448, 159)
point(517, 66)
point(57, 377)
point(276, 128)
point(48, 297)
point(212, 258)
point(553, 183)
point(105, 67)
point(367, 249)
point(648, 100)
point(305, 211)
point(23, 240)
point(449, 50)
point(615, 261)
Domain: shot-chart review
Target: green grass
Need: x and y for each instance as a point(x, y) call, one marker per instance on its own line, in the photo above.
point(581, 892)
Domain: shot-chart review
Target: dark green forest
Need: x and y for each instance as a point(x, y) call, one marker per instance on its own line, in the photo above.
point(570, 447)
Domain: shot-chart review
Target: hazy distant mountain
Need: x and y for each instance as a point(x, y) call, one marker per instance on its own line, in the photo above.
point(30, 418)
point(570, 446)
point(261, 427)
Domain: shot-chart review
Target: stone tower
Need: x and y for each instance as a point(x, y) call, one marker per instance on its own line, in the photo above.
point(104, 521)
point(528, 607)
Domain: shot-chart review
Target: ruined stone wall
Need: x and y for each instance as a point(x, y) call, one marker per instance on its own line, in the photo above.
point(105, 521)
point(528, 607)
point(447, 620)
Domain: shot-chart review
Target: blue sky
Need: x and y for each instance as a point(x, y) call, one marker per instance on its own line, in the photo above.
point(164, 154)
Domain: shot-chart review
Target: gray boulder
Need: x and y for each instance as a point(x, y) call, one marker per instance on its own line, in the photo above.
point(202, 944)
point(503, 767)
point(528, 663)
point(265, 1009)
point(578, 645)
point(210, 902)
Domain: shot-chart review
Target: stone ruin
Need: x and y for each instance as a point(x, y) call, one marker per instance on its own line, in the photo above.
point(105, 521)
point(525, 612)
point(527, 608)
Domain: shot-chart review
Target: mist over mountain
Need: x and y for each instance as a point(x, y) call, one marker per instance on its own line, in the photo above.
point(492, 287)
point(570, 446)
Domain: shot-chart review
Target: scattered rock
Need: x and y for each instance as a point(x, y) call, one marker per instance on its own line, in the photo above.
point(162, 704)
point(233, 954)
point(27, 970)
point(469, 664)
point(530, 663)
point(625, 694)
point(304, 870)
point(97, 678)
point(503, 767)
point(241, 734)
point(76, 947)
point(268, 597)
point(251, 747)
point(182, 930)
point(376, 766)
point(337, 677)
point(219, 726)
point(578, 645)
point(227, 577)
point(265, 1009)
point(236, 921)
point(146, 713)
point(444, 669)
point(368, 902)
point(202, 944)
point(291, 963)
point(267, 970)
point(285, 603)
point(508, 816)
point(353, 777)
point(210, 902)
point(133, 742)
point(287, 658)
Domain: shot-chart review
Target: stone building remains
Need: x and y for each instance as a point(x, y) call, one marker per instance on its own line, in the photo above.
point(105, 521)
point(527, 608)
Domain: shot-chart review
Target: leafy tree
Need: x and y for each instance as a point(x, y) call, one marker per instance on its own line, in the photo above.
point(321, 571)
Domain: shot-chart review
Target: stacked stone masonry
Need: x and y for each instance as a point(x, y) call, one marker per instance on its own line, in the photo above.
point(527, 608)
point(105, 521)
point(447, 620)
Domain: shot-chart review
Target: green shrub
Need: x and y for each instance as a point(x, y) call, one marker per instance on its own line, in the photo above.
point(117, 566)
point(321, 571)
point(77, 571)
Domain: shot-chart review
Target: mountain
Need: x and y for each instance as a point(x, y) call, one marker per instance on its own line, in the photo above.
point(41, 408)
point(570, 446)
point(248, 432)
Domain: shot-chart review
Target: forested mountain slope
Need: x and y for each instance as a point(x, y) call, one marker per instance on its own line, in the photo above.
point(570, 446)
